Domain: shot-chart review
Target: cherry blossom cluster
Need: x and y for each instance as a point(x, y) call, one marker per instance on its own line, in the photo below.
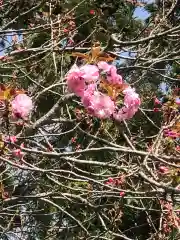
point(15, 102)
point(10, 141)
point(102, 91)
point(117, 182)
point(21, 106)
point(17, 106)
point(171, 219)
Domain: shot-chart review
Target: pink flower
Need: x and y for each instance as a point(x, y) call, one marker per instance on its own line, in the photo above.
point(73, 140)
point(122, 194)
point(157, 101)
point(113, 77)
point(178, 148)
point(99, 105)
point(17, 153)
point(131, 98)
point(163, 170)
point(11, 139)
point(131, 102)
point(88, 95)
point(125, 113)
point(156, 109)
point(75, 82)
point(65, 30)
point(78, 147)
point(90, 73)
point(21, 106)
point(104, 66)
point(92, 12)
point(111, 71)
point(77, 78)
point(170, 133)
point(70, 42)
point(5, 195)
point(110, 181)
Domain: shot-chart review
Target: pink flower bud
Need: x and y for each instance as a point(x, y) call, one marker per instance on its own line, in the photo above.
point(156, 110)
point(65, 30)
point(163, 170)
point(178, 148)
point(17, 153)
point(111, 180)
point(5, 195)
point(92, 12)
point(11, 139)
point(156, 101)
point(122, 194)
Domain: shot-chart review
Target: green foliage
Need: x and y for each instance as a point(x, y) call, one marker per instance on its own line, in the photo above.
point(62, 193)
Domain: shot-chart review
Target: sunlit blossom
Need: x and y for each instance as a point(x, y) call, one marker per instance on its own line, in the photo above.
point(84, 82)
point(21, 106)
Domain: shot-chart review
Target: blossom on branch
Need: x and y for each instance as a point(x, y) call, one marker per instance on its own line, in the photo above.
point(100, 105)
point(101, 89)
point(21, 106)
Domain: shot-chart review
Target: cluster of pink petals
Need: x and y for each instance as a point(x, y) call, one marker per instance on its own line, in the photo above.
point(163, 170)
point(116, 181)
point(21, 106)
point(78, 78)
point(171, 134)
point(111, 71)
point(178, 148)
point(98, 104)
point(131, 105)
point(84, 82)
point(11, 139)
point(18, 153)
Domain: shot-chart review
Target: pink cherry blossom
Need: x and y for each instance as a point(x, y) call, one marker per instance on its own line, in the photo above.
point(75, 82)
point(11, 139)
point(111, 71)
point(122, 194)
point(83, 81)
point(125, 113)
point(156, 109)
point(78, 78)
point(163, 170)
point(21, 106)
point(102, 106)
point(157, 101)
point(98, 104)
point(104, 66)
point(131, 98)
point(90, 73)
point(110, 180)
point(178, 148)
point(88, 95)
point(131, 105)
point(113, 77)
point(18, 153)
point(92, 12)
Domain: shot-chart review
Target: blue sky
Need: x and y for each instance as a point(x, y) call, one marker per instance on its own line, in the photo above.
point(140, 12)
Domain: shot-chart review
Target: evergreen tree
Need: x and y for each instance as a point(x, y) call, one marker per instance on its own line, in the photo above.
point(82, 177)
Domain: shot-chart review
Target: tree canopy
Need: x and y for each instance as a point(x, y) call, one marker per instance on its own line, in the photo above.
point(89, 114)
